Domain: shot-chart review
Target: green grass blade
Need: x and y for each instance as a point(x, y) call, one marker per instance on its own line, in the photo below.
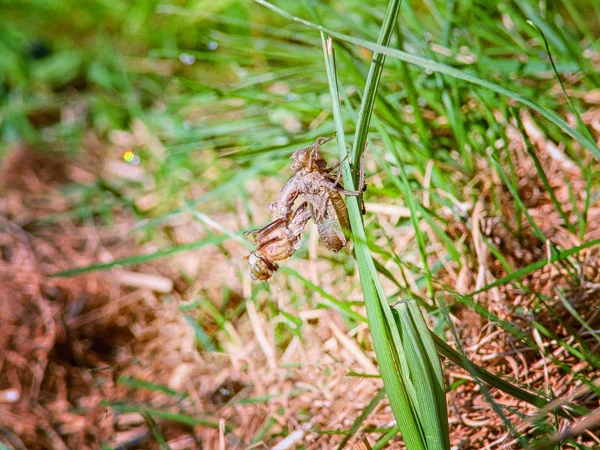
point(489, 378)
point(162, 414)
point(412, 204)
point(381, 443)
point(141, 384)
point(559, 255)
point(361, 418)
point(370, 93)
point(384, 338)
point(160, 440)
point(580, 123)
point(433, 360)
point(344, 308)
point(413, 98)
point(577, 316)
point(139, 259)
point(520, 206)
point(201, 336)
point(542, 173)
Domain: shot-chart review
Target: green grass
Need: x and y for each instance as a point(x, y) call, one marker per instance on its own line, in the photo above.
point(230, 89)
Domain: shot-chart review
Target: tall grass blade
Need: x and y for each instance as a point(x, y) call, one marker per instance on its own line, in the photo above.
point(373, 77)
point(542, 173)
point(160, 440)
point(384, 338)
point(412, 204)
point(574, 313)
point(166, 415)
point(558, 255)
point(491, 379)
point(580, 123)
point(139, 259)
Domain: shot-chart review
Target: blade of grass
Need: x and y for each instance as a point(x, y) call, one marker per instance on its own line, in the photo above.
point(580, 353)
point(412, 204)
point(141, 384)
point(559, 255)
point(160, 440)
point(451, 248)
point(378, 311)
point(162, 414)
point(139, 259)
point(413, 98)
point(361, 418)
point(201, 336)
point(370, 93)
point(583, 217)
point(426, 371)
point(491, 379)
point(577, 316)
point(497, 408)
point(386, 438)
point(517, 198)
point(582, 128)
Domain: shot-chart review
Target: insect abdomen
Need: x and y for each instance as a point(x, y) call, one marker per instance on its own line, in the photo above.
point(334, 224)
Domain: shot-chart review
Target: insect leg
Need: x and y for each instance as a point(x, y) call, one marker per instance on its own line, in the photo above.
point(341, 190)
point(336, 165)
point(336, 187)
point(321, 140)
point(338, 176)
point(315, 149)
point(361, 179)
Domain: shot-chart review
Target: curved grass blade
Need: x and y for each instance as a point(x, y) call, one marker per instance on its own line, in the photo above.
point(558, 255)
point(166, 415)
point(541, 172)
point(491, 379)
point(138, 259)
point(580, 123)
point(577, 316)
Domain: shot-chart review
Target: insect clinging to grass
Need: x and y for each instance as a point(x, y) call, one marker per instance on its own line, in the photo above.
point(320, 186)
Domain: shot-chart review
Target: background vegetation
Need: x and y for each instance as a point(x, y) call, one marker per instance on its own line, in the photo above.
point(140, 139)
